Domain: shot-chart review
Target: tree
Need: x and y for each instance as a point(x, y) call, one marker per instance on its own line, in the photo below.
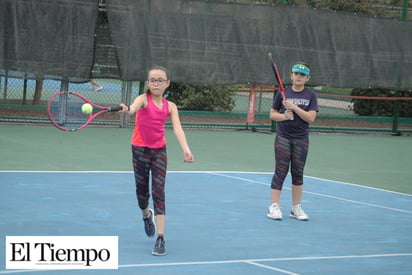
point(201, 97)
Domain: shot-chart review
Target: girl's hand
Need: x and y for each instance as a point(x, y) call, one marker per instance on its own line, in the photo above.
point(289, 115)
point(288, 105)
point(124, 109)
point(188, 157)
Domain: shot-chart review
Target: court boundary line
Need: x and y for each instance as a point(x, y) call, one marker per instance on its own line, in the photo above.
point(255, 262)
point(247, 261)
point(272, 260)
point(330, 196)
point(223, 174)
point(271, 268)
point(206, 172)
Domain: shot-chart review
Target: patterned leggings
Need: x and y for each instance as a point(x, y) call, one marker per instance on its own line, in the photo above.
point(293, 152)
point(146, 160)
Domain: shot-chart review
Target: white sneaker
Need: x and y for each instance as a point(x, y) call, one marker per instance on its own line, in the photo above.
point(274, 212)
point(297, 213)
point(97, 87)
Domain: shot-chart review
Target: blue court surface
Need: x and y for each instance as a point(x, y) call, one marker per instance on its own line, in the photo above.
point(216, 223)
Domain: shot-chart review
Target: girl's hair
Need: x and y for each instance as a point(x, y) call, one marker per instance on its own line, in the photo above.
point(161, 69)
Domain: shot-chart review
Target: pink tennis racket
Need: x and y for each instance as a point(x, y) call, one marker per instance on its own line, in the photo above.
point(65, 111)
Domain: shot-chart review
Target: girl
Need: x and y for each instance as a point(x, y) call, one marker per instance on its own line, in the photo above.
point(293, 117)
point(149, 150)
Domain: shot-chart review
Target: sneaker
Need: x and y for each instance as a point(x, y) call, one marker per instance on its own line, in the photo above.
point(159, 248)
point(97, 87)
point(297, 213)
point(274, 212)
point(149, 224)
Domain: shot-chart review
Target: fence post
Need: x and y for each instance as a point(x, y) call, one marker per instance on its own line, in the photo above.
point(126, 98)
point(395, 121)
point(6, 83)
point(405, 10)
point(24, 90)
point(141, 87)
point(251, 106)
point(64, 86)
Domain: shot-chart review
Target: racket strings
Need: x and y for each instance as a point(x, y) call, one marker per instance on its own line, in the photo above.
point(66, 111)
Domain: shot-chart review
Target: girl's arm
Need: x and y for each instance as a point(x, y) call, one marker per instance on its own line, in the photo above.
point(139, 103)
point(276, 116)
point(308, 116)
point(179, 133)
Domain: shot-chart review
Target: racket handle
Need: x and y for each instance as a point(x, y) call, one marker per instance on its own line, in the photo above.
point(115, 109)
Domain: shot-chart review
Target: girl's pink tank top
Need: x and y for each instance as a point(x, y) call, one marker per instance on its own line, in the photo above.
point(149, 130)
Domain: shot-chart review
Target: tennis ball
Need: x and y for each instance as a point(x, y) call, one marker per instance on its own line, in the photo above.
point(87, 108)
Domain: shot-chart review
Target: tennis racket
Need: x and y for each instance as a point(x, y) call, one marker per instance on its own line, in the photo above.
point(65, 111)
point(278, 79)
point(277, 76)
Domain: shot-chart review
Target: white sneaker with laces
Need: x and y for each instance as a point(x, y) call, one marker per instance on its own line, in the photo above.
point(274, 212)
point(297, 213)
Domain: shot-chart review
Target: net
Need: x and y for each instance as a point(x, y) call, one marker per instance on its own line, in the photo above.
point(47, 39)
point(347, 43)
point(220, 43)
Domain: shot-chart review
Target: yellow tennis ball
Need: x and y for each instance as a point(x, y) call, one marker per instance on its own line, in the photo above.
point(87, 108)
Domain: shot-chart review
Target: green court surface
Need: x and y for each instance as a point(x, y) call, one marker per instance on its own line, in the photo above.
point(377, 161)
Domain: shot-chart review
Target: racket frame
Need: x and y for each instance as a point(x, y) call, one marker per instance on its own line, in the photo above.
point(92, 115)
point(277, 76)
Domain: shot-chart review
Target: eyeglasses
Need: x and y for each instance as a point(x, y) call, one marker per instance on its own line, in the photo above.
point(159, 81)
point(297, 73)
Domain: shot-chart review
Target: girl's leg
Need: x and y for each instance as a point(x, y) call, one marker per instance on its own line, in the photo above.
point(297, 191)
point(299, 156)
point(159, 167)
point(275, 195)
point(141, 168)
point(160, 221)
point(282, 159)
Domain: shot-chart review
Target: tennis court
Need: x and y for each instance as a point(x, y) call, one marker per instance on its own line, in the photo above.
point(54, 183)
point(358, 190)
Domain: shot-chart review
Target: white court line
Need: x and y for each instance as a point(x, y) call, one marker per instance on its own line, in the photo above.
point(325, 195)
point(316, 178)
point(357, 185)
point(248, 261)
point(208, 172)
point(336, 257)
point(224, 174)
point(271, 268)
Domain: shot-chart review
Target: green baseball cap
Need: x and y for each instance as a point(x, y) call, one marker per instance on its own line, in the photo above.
point(300, 68)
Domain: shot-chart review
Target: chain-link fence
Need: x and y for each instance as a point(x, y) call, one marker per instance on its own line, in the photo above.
point(24, 100)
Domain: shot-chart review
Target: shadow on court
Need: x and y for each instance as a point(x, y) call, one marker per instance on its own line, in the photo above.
point(216, 222)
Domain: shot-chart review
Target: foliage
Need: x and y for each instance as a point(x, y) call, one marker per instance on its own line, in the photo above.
point(381, 8)
point(383, 108)
point(201, 97)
